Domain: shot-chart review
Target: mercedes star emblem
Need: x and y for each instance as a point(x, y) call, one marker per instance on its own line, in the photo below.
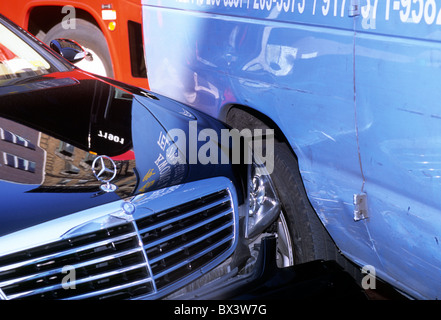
point(104, 169)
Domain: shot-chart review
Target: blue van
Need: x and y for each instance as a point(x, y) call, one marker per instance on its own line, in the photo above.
point(351, 89)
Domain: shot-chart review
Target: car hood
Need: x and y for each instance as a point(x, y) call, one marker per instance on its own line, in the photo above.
point(54, 127)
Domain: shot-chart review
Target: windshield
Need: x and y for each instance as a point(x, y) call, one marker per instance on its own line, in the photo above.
point(18, 60)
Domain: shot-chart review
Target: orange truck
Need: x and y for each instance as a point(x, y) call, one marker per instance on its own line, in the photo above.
point(110, 31)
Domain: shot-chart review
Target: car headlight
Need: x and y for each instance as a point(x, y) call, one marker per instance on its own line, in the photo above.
point(264, 205)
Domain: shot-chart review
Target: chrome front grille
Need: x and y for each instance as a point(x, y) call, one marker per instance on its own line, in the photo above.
point(182, 240)
point(102, 262)
point(151, 255)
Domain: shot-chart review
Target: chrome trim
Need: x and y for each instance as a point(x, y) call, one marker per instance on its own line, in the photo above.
point(189, 214)
point(182, 231)
point(65, 253)
point(145, 257)
point(109, 290)
point(190, 243)
point(77, 282)
point(57, 229)
point(103, 169)
point(215, 262)
point(193, 257)
point(78, 265)
point(107, 186)
point(3, 296)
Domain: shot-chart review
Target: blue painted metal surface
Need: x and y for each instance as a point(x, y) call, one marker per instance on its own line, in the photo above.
point(397, 76)
point(356, 96)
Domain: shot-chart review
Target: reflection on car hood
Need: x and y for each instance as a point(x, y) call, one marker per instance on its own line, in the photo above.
point(50, 132)
point(53, 128)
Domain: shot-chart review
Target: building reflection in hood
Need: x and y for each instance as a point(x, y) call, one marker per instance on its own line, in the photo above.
point(28, 156)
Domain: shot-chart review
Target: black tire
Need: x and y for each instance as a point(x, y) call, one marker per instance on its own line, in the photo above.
point(310, 239)
point(87, 35)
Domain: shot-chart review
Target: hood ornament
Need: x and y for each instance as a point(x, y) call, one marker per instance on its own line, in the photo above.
point(104, 169)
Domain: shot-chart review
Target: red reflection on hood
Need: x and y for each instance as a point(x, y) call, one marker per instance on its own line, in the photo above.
point(129, 155)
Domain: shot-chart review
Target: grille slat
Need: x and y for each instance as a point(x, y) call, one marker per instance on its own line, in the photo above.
point(77, 282)
point(189, 244)
point(190, 260)
point(74, 266)
point(93, 256)
point(198, 232)
point(158, 239)
point(142, 257)
point(61, 246)
point(44, 259)
point(178, 274)
point(180, 217)
point(115, 292)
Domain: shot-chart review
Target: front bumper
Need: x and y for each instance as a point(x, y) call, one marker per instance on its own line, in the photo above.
point(308, 281)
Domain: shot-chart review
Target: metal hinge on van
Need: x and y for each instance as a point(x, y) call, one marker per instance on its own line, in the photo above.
point(354, 8)
point(361, 209)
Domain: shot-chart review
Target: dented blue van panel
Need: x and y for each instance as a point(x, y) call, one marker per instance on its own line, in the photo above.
point(397, 76)
point(353, 86)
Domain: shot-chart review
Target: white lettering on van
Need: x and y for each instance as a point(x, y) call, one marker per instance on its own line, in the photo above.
point(404, 11)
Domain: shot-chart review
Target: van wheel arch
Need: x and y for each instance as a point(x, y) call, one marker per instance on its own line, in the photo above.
point(310, 239)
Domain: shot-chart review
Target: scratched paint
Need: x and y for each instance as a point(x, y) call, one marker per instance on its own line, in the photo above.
point(356, 97)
